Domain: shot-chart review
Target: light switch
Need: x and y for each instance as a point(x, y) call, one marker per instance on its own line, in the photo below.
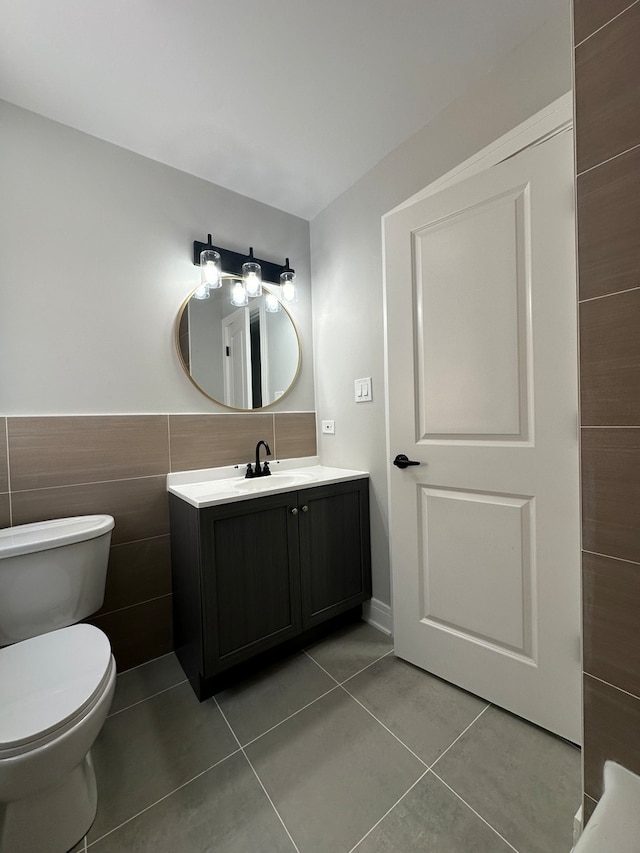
point(363, 390)
point(329, 427)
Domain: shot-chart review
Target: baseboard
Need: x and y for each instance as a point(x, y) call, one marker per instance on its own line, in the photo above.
point(378, 614)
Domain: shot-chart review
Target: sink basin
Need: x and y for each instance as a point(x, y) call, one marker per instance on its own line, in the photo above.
point(281, 481)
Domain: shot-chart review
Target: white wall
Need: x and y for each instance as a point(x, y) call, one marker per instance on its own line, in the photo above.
point(346, 259)
point(95, 262)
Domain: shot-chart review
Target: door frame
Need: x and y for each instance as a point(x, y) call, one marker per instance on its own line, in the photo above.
point(553, 119)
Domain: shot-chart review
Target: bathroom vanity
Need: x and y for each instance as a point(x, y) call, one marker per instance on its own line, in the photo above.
point(264, 565)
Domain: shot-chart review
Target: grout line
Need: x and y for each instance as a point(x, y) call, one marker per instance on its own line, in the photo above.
point(308, 705)
point(169, 442)
point(137, 604)
point(609, 557)
point(242, 750)
point(609, 159)
point(609, 684)
point(166, 796)
point(424, 763)
point(378, 822)
point(607, 295)
point(140, 701)
point(326, 671)
point(608, 426)
point(477, 814)
point(606, 24)
point(147, 662)
point(309, 655)
point(144, 539)
point(6, 436)
point(453, 742)
point(94, 483)
point(377, 660)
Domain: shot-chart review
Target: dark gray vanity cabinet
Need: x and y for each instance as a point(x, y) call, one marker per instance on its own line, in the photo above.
point(262, 573)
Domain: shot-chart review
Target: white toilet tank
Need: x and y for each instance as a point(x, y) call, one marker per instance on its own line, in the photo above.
point(52, 574)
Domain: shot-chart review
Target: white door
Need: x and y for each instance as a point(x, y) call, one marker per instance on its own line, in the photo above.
point(237, 359)
point(482, 352)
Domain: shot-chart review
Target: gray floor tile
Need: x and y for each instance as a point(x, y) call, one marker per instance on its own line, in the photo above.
point(432, 818)
point(143, 681)
point(225, 810)
point(522, 780)
point(332, 771)
point(404, 698)
point(150, 749)
point(349, 650)
point(79, 848)
point(266, 698)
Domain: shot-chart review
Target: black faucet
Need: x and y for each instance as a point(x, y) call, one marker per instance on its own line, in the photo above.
point(260, 470)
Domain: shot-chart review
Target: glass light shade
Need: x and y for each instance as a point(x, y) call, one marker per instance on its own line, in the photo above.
point(252, 277)
point(288, 288)
point(271, 303)
point(239, 293)
point(210, 269)
point(201, 292)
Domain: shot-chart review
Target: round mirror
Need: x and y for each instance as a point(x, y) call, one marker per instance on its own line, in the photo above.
point(241, 357)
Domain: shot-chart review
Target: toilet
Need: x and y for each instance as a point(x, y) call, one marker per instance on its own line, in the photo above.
point(57, 680)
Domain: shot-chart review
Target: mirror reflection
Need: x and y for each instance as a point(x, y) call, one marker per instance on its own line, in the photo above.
point(245, 358)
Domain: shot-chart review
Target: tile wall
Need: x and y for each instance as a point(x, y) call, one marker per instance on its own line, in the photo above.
point(607, 105)
point(51, 467)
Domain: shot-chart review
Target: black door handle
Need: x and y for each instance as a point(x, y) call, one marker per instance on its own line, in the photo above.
point(403, 461)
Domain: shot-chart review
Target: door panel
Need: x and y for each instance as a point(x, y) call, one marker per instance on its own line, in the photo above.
point(472, 359)
point(482, 360)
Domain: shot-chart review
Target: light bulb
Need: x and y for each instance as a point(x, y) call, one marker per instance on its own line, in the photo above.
point(239, 293)
point(210, 269)
point(252, 276)
point(271, 303)
point(287, 286)
point(201, 292)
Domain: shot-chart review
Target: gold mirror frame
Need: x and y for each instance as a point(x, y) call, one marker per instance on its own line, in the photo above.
point(183, 307)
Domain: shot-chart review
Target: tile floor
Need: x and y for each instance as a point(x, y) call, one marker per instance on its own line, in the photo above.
point(342, 747)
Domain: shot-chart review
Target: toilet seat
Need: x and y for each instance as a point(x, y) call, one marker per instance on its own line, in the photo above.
point(48, 682)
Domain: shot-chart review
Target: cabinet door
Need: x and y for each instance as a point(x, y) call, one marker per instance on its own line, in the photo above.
point(335, 551)
point(250, 578)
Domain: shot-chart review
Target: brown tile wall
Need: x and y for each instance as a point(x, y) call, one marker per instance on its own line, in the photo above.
point(607, 108)
point(51, 467)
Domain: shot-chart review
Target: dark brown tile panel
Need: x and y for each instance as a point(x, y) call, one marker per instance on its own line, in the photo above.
point(611, 616)
point(607, 71)
point(611, 492)
point(5, 515)
point(610, 360)
point(588, 805)
point(209, 441)
point(4, 471)
point(140, 507)
point(60, 451)
point(295, 435)
point(590, 15)
point(137, 572)
point(611, 731)
point(608, 234)
point(139, 633)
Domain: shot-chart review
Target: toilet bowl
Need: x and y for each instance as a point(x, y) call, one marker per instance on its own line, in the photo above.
point(56, 686)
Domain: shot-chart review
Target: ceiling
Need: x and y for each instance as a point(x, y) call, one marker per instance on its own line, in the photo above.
point(286, 101)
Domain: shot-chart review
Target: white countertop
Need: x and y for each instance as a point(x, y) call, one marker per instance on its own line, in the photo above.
point(214, 486)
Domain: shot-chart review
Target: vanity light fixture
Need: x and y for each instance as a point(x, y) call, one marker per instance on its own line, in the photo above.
point(245, 272)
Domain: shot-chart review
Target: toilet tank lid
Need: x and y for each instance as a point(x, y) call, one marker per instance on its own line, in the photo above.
point(42, 535)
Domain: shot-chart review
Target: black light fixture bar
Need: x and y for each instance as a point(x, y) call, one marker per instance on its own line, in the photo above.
point(232, 261)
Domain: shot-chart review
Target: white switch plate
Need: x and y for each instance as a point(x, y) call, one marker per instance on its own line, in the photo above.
point(328, 427)
point(363, 390)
